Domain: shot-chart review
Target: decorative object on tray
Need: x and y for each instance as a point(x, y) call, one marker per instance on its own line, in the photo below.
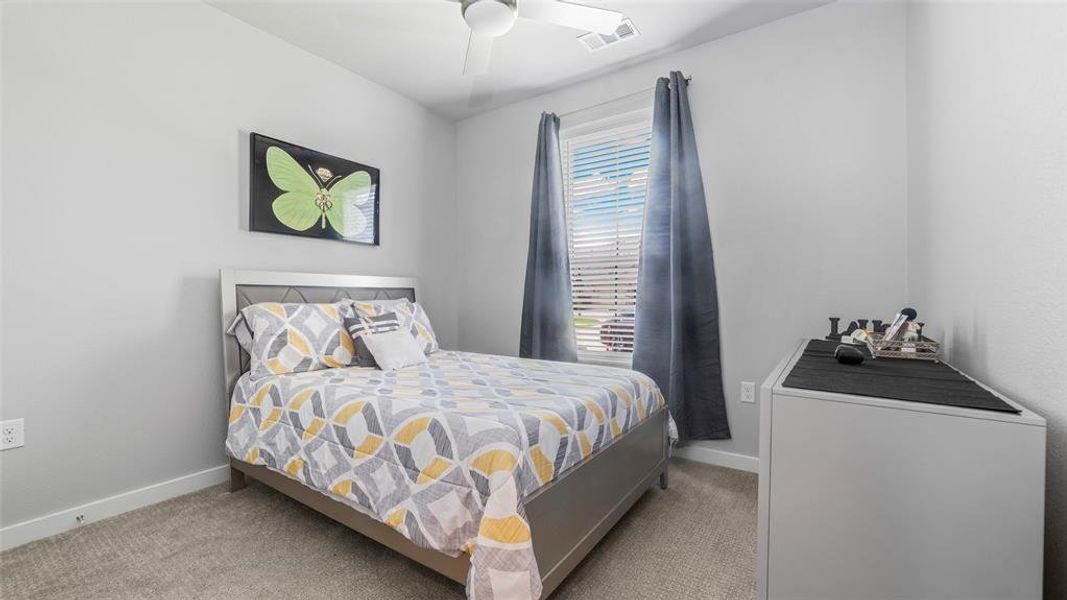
point(848, 355)
point(298, 191)
point(920, 349)
point(901, 338)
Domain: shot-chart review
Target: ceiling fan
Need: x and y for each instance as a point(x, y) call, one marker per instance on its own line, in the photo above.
point(490, 19)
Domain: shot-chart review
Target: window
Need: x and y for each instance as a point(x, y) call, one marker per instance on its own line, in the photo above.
point(605, 170)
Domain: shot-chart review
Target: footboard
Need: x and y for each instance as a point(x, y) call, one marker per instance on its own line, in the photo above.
point(569, 516)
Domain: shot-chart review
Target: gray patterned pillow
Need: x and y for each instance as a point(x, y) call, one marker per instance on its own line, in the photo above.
point(361, 325)
point(240, 329)
point(294, 338)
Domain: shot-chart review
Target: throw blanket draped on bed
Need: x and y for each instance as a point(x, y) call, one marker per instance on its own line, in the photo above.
point(445, 452)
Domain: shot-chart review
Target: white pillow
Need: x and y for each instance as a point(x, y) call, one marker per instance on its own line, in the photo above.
point(394, 349)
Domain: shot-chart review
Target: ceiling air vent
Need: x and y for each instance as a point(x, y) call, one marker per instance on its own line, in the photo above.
point(597, 41)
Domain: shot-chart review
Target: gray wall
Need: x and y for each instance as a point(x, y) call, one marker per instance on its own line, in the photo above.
point(987, 209)
point(124, 141)
point(801, 126)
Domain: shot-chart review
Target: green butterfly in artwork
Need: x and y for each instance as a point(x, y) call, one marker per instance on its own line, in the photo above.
point(305, 201)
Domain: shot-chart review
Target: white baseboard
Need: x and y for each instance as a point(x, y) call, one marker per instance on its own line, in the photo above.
point(64, 520)
point(722, 458)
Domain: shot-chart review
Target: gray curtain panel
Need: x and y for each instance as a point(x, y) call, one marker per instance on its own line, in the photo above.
point(676, 337)
point(547, 315)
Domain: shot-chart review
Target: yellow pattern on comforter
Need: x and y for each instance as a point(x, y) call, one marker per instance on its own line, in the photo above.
point(444, 452)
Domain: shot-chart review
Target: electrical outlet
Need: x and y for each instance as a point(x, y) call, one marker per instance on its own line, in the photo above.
point(748, 391)
point(12, 434)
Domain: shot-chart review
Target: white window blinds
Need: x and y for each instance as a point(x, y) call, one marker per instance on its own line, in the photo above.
point(605, 170)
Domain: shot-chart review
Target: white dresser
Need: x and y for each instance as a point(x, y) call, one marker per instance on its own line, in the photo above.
point(865, 498)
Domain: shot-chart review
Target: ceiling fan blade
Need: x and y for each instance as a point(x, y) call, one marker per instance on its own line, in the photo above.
point(478, 50)
point(575, 16)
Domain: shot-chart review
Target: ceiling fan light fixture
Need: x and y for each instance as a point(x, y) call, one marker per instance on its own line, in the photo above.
point(489, 18)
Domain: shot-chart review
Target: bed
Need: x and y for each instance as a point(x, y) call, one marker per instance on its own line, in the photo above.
point(497, 472)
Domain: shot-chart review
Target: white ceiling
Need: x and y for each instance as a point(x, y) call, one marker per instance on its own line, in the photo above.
point(417, 47)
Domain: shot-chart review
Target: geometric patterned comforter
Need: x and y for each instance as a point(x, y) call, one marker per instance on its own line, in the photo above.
point(445, 452)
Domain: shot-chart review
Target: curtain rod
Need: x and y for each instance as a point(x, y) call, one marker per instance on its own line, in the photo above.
point(688, 79)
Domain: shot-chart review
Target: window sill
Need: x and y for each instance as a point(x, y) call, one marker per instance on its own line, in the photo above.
point(606, 359)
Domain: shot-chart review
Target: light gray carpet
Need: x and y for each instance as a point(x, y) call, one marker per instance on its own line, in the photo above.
point(695, 540)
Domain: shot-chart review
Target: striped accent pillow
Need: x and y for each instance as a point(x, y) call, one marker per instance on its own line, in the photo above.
point(363, 324)
point(412, 317)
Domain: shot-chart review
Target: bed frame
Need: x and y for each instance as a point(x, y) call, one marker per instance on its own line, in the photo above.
point(567, 517)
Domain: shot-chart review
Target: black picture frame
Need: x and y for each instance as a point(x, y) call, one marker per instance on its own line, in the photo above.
point(263, 192)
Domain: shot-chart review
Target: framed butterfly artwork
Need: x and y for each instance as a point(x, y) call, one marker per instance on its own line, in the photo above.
point(298, 191)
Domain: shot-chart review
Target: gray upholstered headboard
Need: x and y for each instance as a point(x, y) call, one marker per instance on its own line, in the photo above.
point(244, 288)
